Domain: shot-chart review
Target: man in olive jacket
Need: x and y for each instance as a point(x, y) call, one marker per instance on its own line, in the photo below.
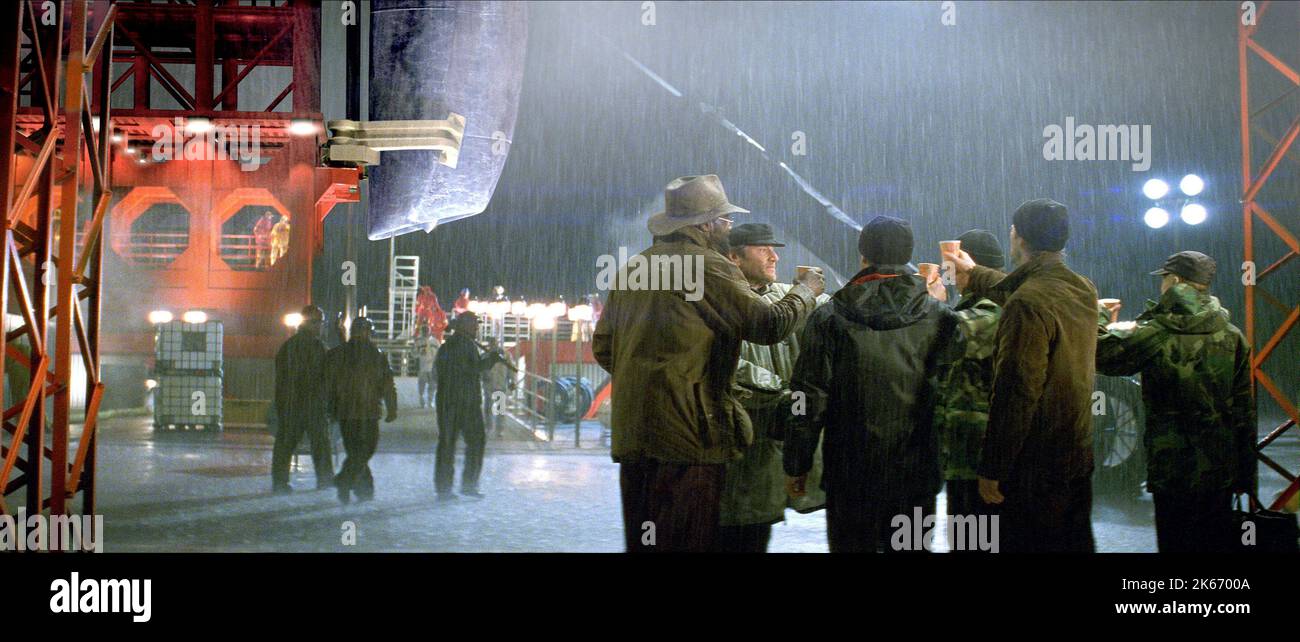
point(670, 337)
point(754, 496)
point(866, 374)
point(1037, 457)
point(1200, 414)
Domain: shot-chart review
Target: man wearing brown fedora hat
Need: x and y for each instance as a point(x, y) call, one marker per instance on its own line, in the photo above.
point(672, 357)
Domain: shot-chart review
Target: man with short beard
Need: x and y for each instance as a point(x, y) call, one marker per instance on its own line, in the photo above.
point(672, 352)
point(754, 497)
point(1037, 459)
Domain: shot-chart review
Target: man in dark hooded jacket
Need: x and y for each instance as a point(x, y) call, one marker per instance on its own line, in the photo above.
point(300, 403)
point(460, 364)
point(359, 380)
point(865, 374)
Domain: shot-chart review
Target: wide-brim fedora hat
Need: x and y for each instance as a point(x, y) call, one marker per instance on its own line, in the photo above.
point(692, 200)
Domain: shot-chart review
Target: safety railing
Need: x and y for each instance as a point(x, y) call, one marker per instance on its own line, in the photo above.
point(151, 248)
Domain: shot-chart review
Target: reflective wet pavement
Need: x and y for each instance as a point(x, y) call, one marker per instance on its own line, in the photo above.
point(212, 494)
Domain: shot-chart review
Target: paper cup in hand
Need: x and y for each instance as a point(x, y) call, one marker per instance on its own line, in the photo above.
point(949, 247)
point(929, 271)
point(799, 271)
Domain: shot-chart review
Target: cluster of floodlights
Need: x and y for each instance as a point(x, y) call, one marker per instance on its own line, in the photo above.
point(199, 125)
point(542, 316)
point(1191, 213)
point(190, 316)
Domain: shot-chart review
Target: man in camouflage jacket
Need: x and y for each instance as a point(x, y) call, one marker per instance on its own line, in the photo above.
point(962, 408)
point(1200, 415)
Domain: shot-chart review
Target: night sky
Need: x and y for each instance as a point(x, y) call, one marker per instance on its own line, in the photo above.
point(902, 115)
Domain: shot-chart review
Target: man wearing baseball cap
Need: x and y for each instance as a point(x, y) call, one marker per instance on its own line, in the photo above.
point(1200, 414)
point(753, 495)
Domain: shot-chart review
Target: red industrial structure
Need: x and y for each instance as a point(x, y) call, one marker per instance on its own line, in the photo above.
point(175, 187)
point(1252, 210)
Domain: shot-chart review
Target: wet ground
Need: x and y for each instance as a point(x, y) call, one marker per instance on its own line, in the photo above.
point(181, 493)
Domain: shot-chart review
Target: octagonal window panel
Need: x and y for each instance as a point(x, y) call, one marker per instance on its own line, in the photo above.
point(254, 238)
point(159, 235)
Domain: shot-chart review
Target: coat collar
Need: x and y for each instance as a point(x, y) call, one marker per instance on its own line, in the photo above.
point(689, 234)
point(1037, 263)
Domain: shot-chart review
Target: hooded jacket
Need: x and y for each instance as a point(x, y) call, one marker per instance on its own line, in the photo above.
point(672, 352)
point(866, 374)
point(1200, 414)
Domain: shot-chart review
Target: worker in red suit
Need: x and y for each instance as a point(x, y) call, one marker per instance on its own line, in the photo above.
point(461, 304)
point(429, 316)
point(262, 240)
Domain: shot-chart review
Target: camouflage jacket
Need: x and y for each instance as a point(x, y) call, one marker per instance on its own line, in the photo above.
point(962, 406)
point(1195, 367)
point(754, 491)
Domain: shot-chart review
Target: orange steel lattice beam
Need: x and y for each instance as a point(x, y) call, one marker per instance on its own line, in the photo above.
point(42, 274)
point(1252, 183)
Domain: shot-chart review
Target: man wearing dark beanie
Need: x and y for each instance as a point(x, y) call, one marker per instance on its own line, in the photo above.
point(965, 385)
point(863, 377)
point(1036, 462)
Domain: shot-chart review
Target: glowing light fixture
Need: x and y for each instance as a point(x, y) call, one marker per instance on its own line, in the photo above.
point(1191, 185)
point(1155, 189)
point(303, 127)
point(160, 316)
point(1193, 214)
point(580, 313)
point(293, 319)
point(198, 125)
point(544, 322)
point(1155, 218)
point(195, 316)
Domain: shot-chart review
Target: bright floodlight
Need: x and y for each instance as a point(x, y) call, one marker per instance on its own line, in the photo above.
point(303, 127)
point(1155, 189)
point(544, 322)
point(293, 319)
point(150, 384)
point(195, 316)
point(580, 313)
point(1193, 214)
point(1191, 185)
point(1155, 218)
point(160, 316)
point(198, 125)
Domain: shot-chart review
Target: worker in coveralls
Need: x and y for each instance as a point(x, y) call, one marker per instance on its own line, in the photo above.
point(300, 403)
point(358, 380)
